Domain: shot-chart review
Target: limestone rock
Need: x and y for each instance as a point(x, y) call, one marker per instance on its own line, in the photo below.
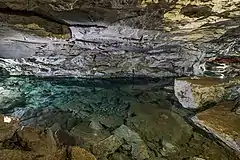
point(196, 158)
point(195, 93)
point(222, 123)
point(81, 154)
point(111, 121)
point(10, 98)
point(138, 147)
point(7, 154)
point(168, 148)
point(70, 59)
point(114, 38)
point(95, 125)
point(127, 134)
point(139, 151)
point(55, 127)
point(232, 93)
point(64, 138)
point(8, 126)
point(107, 146)
point(38, 141)
point(58, 155)
point(87, 135)
point(154, 123)
point(119, 156)
point(167, 133)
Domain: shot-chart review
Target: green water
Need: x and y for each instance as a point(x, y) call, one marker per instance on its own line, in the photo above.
point(147, 107)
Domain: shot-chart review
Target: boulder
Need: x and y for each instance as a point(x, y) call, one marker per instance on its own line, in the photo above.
point(127, 134)
point(64, 138)
point(168, 148)
point(222, 123)
point(155, 123)
point(87, 135)
point(111, 121)
point(60, 154)
point(10, 99)
point(197, 92)
point(107, 146)
point(7, 154)
point(95, 125)
point(167, 133)
point(119, 156)
point(8, 126)
point(78, 153)
point(196, 158)
point(38, 141)
point(139, 149)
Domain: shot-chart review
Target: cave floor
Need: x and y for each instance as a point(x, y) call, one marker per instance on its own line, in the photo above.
point(99, 119)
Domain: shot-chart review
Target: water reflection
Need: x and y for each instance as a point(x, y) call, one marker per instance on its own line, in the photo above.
point(144, 114)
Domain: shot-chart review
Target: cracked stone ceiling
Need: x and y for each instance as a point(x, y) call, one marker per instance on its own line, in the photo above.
point(115, 38)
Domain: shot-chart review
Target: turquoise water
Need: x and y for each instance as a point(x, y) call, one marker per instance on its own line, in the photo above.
point(146, 106)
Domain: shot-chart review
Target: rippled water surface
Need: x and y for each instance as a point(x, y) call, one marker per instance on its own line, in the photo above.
point(93, 110)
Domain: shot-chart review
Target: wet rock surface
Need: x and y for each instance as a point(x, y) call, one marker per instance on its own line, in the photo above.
point(223, 123)
point(149, 129)
point(120, 38)
point(8, 129)
point(197, 92)
point(220, 97)
point(31, 143)
point(139, 43)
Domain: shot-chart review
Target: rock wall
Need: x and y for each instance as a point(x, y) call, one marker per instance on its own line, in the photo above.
point(117, 38)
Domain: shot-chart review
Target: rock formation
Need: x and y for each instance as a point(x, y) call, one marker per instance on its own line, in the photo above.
point(117, 38)
point(199, 92)
point(128, 42)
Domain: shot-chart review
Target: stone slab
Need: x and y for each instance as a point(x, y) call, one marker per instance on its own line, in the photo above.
point(197, 92)
point(222, 123)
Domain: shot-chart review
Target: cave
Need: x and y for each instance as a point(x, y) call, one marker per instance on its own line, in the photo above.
point(120, 79)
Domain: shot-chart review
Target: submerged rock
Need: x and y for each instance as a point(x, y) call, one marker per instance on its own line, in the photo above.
point(167, 133)
point(10, 99)
point(38, 141)
point(168, 148)
point(8, 126)
point(7, 154)
point(95, 125)
point(154, 123)
point(221, 122)
point(127, 134)
point(78, 153)
point(119, 156)
point(64, 138)
point(139, 149)
point(107, 146)
point(88, 136)
point(111, 121)
point(196, 158)
point(60, 154)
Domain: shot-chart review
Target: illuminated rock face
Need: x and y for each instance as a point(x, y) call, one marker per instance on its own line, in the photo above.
point(119, 38)
point(221, 122)
point(202, 91)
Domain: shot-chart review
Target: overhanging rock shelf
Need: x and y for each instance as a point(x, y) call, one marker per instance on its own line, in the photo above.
point(104, 39)
point(96, 39)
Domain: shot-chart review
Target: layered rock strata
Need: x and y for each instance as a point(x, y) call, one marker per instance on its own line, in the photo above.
point(118, 38)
